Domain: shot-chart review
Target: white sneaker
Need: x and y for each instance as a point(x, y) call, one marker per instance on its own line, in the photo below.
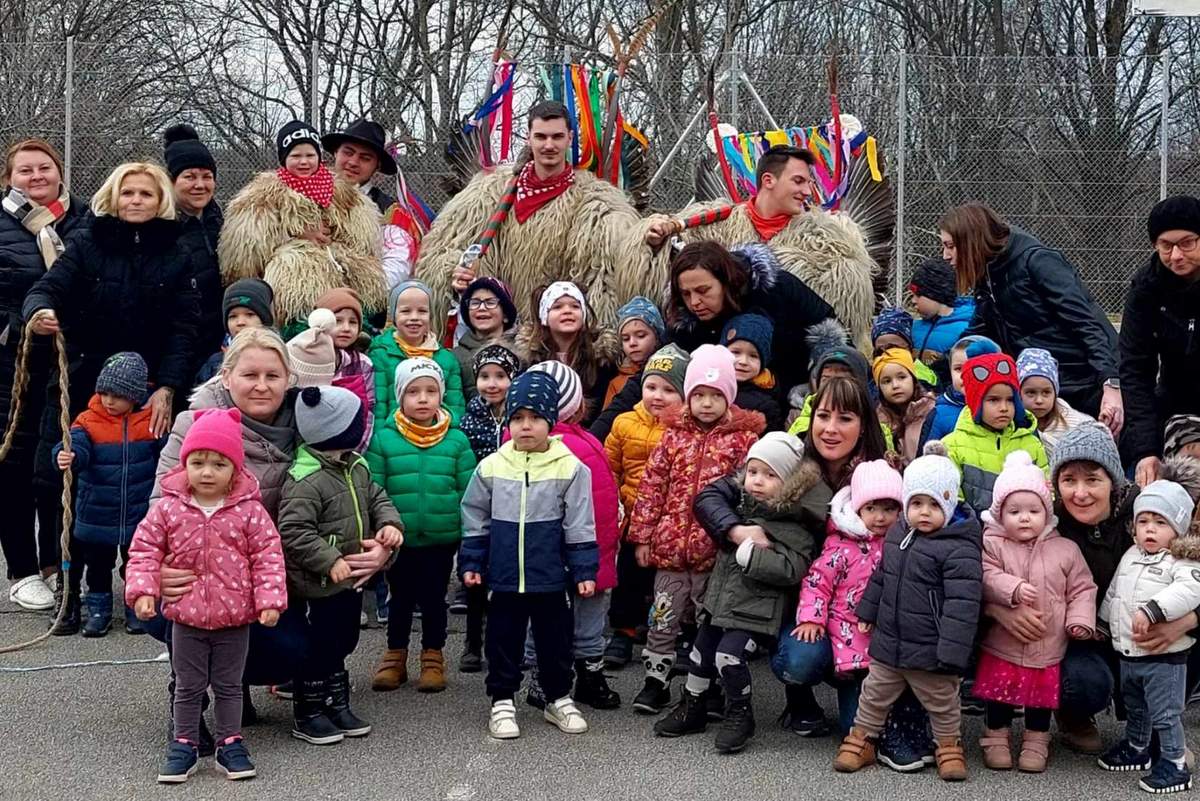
point(565, 715)
point(503, 724)
point(31, 592)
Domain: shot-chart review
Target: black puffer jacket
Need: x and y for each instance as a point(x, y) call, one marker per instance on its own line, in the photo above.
point(924, 598)
point(198, 243)
point(1160, 356)
point(1105, 544)
point(765, 401)
point(21, 266)
point(1032, 297)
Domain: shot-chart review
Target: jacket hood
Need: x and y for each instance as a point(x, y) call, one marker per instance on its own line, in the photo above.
point(245, 486)
point(309, 461)
point(964, 309)
point(606, 345)
point(1187, 547)
point(113, 234)
point(515, 458)
point(96, 406)
point(738, 419)
point(844, 519)
point(792, 491)
point(1019, 241)
point(761, 266)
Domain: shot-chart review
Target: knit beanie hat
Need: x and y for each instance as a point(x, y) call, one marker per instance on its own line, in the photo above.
point(1182, 430)
point(643, 310)
point(1088, 442)
point(1168, 499)
point(875, 481)
point(935, 280)
point(398, 289)
point(410, 370)
point(981, 373)
point(330, 418)
point(1037, 363)
point(295, 133)
point(1179, 213)
point(560, 289)
point(899, 356)
point(977, 345)
point(253, 294)
point(312, 352)
point(536, 391)
point(780, 451)
point(508, 310)
point(670, 362)
point(1020, 474)
point(496, 353)
point(753, 328)
point(183, 150)
point(125, 375)
point(935, 476)
point(340, 299)
point(570, 388)
point(217, 430)
point(711, 366)
point(893, 320)
point(859, 368)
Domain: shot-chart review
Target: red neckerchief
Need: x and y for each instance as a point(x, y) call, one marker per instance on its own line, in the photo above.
point(766, 227)
point(317, 187)
point(533, 192)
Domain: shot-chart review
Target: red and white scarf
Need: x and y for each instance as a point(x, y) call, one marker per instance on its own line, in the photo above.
point(533, 192)
point(317, 187)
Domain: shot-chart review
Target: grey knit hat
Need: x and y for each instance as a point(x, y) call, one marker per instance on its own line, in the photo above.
point(329, 418)
point(1089, 442)
point(1168, 499)
point(125, 375)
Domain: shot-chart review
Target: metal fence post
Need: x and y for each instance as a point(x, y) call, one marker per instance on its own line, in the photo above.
point(68, 116)
point(314, 70)
point(735, 80)
point(1164, 123)
point(901, 146)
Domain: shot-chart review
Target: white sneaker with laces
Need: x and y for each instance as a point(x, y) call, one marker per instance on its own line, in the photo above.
point(503, 723)
point(32, 593)
point(565, 715)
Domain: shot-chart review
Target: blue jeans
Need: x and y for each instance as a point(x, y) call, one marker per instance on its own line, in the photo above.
point(1154, 694)
point(1086, 678)
point(809, 664)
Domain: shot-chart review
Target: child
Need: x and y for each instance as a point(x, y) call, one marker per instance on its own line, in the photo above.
point(921, 609)
point(1027, 563)
point(633, 437)
point(951, 402)
point(826, 634)
point(424, 462)
point(762, 520)
point(748, 337)
point(565, 332)
point(993, 425)
point(1157, 580)
point(311, 353)
point(1182, 436)
point(1037, 371)
point(246, 304)
point(409, 337)
point(354, 370)
point(328, 506)
point(832, 356)
point(903, 402)
point(489, 315)
point(943, 316)
point(114, 456)
point(893, 328)
point(530, 553)
point(704, 441)
point(209, 521)
point(642, 331)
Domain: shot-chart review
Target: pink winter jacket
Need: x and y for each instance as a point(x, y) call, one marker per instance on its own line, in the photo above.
point(836, 582)
point(236, 555)
point(1066, 591)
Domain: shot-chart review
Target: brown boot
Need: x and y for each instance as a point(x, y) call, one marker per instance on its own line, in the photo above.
point(433, 671)
point(997, 748)
point(855, 752)
point(1035, 752)
point(392, 670)
point(1079, 734)
point(951, 761)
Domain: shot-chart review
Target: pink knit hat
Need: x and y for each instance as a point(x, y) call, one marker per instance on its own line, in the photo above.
point(711, 366)
point(217, 430)
point(875, 481)
point(1020, 474)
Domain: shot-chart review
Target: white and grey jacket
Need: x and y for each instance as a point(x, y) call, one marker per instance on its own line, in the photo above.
point(1164, 585)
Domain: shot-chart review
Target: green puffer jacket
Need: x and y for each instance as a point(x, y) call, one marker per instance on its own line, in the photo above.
point(386, 355)
point(979, 453)
point(328, 507)
point(425, 484)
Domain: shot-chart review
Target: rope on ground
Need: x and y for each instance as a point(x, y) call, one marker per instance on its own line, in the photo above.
point(161, 658)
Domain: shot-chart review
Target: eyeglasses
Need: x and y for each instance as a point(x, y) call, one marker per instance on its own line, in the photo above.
point(483, 303)
point(1185, 245)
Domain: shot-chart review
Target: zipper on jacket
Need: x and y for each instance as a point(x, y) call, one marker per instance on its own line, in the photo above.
point(521, 531)
point(900, 577)
point(124, 476)
point(354, 497)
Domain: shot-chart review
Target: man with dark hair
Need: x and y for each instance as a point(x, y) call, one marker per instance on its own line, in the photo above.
point(548, 110)
point(358, 153)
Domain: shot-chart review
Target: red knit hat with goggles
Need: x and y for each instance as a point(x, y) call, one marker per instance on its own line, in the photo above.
point(981, 373)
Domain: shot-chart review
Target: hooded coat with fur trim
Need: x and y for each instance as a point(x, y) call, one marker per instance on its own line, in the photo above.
point(594, 378)
point(1164, 585)
point(750, 588)
point(687, 459)
point(261, 239)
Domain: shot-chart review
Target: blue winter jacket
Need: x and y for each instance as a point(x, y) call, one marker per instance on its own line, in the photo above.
point(945, 416)
point(938, 335)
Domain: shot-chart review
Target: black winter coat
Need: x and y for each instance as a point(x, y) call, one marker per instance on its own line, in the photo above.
point(198, 243)
point(1032, 297)
point(765, 401)
point(1160, 356)
point(21, 267)
point(1105, 544)
point(924, 598)
point(382, 200)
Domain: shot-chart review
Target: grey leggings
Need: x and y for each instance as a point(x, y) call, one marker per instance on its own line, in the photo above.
point(203, 659)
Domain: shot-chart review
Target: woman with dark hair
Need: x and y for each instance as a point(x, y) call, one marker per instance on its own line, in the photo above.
point(1027, 295)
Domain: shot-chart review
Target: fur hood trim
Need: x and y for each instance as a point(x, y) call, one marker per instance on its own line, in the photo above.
point(844, 518)
point(761, 265)
point(1187, 547)
point(792, 491)
point(606, 346)
point(739, 420)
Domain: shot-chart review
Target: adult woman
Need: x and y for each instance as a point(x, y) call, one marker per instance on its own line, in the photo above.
point(39, 216)
point(1029, 296)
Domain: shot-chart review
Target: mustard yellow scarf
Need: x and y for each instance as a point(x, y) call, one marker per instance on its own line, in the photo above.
point(427, 348)
point(423, 436)
point(764, 380)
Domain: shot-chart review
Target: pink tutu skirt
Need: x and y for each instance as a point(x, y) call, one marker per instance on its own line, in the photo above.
point(999, 680)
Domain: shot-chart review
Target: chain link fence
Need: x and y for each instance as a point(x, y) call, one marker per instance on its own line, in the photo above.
point(1075, 150)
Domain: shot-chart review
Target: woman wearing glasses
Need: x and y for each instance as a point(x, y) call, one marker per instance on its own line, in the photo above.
point(490, 316)
point(1160, 352)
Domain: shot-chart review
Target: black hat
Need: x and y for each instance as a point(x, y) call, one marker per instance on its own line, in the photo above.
point(363, 132)
point(935, 280)
point(183, 150)
point(253, 294)
point(296, 133)
point(1179, 213)
point(498, 288)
